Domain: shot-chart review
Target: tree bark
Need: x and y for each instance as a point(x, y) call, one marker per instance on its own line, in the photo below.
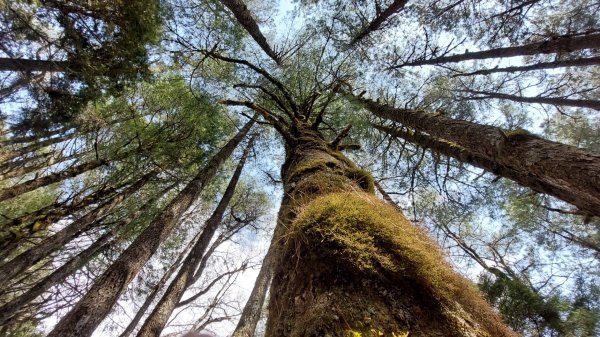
point(382, 17)
point(83, 319)
point(11, 64)
point(579, 62)
point(32, 256)
point(352, 265)
point(152, 295)
point(563, 171)
point(244, 17)
point(159, 316)
point(579, 103)
point(561, 44)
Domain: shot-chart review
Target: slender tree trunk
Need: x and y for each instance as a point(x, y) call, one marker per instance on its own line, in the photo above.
point(157, 320)
point(579, 62)
point(8, 310)
point(563, 171)
point(32, 138)
point(23, 226)
point(11, 64)
point(71, 172)
point(561, 44)
point(6, 168)
point(9, 155)
point(244, 17)
point(382, 17)
point(246, 326)
point(152, 295)
point(580, 103)
point(22, 170)
point(38, 252)
point(352, 265)
point(83, 319)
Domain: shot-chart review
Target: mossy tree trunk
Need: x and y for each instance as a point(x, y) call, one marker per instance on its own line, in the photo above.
point(348, 264)
point(563, 171)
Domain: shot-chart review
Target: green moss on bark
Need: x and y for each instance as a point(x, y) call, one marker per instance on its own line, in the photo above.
point(363, 269)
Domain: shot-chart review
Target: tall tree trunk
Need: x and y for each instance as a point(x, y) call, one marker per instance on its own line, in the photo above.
point(155, 290)
point(21, 170)
point(578, 62)
point(352, 265)
point(11, 64)
point(22, 227)
point(9, 155)
point(159, 316)
point(30, 185)
point(10, 309)
point(561, 44)
point(580, 103)
point(382, 17)
point(244, 17)
point(248, 321)
point(560, 170)
point(83, 319)
point(42, 249)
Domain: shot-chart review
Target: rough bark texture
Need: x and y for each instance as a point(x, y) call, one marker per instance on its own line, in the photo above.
point(350, 265)
point(244, 17)
point(9, 64)
point(563, 171)
point(561, 44)
point(152, 295)
point(44, 248)
point(382, 17)
point(83, 319)
point(159, 316)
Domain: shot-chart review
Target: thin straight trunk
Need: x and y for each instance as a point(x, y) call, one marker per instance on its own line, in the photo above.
point(563, 171)
point(580, 62)
point(580, 103)
point(244, 17)
point(159, 316)
point(246, 326)
point(22, 227)
point(352, 265)
point(561, 44)
point(32, 138)
point(8, 310)
point(11, 165)
point(30, 185)
point(33, 147)
point(38, 252)
point(17, 171)
point(11, 64)
point(382, 17)
point(152, 295)
point(83, 319)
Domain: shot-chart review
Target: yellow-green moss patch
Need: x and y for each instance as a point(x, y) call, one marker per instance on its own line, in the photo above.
point(360, 234)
